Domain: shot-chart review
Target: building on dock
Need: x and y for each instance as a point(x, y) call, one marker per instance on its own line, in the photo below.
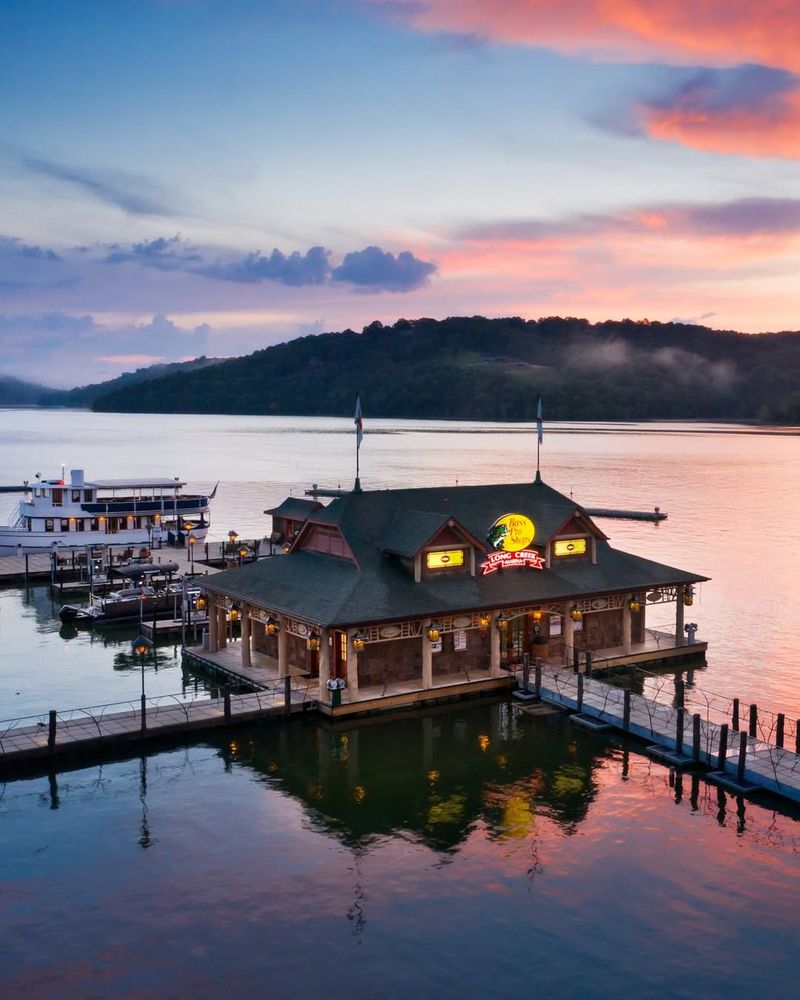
point(392, 597)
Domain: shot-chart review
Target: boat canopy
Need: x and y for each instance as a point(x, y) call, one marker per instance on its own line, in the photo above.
point(132, 484)
point(146, 569)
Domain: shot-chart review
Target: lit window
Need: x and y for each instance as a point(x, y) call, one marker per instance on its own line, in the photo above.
point(569, 547)
point(445, 560)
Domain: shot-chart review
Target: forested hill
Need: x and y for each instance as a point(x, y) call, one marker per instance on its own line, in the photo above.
point(493, 369)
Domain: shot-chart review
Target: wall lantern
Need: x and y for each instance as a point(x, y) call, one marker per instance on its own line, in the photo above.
point(200, 603)
point(485, 620)
point(537, 616)
point(234, 614)
point(359, 641)
point(312, 642)
point(502, 622)
point(271, 626)
point(434, 631)
point(688, 597)
point(576, 614)
point(634, 604)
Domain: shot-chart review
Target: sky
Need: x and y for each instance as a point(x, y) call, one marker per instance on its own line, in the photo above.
point(187, 177)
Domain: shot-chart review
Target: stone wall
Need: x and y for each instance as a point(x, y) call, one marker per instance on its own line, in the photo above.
point(475, 657)
point(387, 662)
point(602, 629)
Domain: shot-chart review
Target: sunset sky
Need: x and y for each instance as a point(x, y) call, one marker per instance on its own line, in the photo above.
point(185, 177)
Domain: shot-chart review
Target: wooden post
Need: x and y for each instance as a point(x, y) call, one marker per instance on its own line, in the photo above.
point(723, 746)
point(588, 668)
point(742, 757)
point(626, 710)
point(780, 731)
point(735, 719)
point(51, 730)
point(26, 569)
point(576, 659)
point(679, 730)
point(526, 671)
point(537, 677)
point(580, 692)
point(680, 693)
point(753, 720)
point(797, 737)
point(696, 736)
point(226, 694)
point(287, 694)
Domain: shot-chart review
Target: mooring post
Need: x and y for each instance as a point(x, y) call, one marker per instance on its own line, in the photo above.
point(51, 730)
point(526, 671)
point(696, 737)
point(797, 737)
point(226, 695)
point(537, 677)
point(576, 659)
point(680, 693)
point(753, 720)
point(679, 730)
point(287, 694)
point(580, 692)
point(588, 667)
point(742, 757)
point(735, 719)
point(779, 734)
point(723, 746)
point(26, 569)
point(626, 710)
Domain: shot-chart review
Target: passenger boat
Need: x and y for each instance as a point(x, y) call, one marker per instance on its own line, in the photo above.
point(54, 513)
point(140, 603)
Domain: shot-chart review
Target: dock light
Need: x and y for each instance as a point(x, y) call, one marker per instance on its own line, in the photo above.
point(485, 620)
point(502, 622)
point(190, 538)
point(312, 642)
point(142, 645)
point(434, 631)
point(359, 641)
point(271, 626)
point(688, 597)
point(634, 604)
point(232, 536)
point(576, 614)
point(200, 603)
point(187, 525)
point(537, 616)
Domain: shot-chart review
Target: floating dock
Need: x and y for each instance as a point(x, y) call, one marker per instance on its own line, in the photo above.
point(656, 514)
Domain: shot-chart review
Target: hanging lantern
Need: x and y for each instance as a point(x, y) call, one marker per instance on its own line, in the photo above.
point(200, 603)
point(536, 615)
point(434, 631)
point(576, 614)
point(502, 622)
point(232, 536)
point(271, 626)
point(634, 604)
point(141, 645)
point(688, 599)
point(234, 614)
point(359, 641)
point(485, 620)
point(312, 642)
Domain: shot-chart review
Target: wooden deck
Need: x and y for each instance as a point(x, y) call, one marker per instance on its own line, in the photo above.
point(766, 766)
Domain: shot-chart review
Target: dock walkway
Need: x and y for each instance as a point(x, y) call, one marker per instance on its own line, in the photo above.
point(766, 765)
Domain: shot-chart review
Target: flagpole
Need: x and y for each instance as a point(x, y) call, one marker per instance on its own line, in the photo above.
point(358, 478)
point(538, 437)
point(357, 420)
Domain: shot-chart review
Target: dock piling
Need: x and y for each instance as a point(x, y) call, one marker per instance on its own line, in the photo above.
point(753, 720)
point(742, 757)
point(227, 702)
point(626, 710)
point(287, 694)
point(576, 659)
point(723, 746)
point(696, 737)
point(580, 692)
point(735, 715)
point(537, 677)
point(51, 730)
point(779, 735)
point(679, 730)
point(680, 693)
point(588, 667)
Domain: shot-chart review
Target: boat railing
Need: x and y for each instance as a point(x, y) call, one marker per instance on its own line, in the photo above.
point(111, 505)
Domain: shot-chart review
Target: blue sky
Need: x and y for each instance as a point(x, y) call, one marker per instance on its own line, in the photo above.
point(186, 176)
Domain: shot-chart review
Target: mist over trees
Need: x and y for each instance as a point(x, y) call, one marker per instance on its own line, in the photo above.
point(493, 369)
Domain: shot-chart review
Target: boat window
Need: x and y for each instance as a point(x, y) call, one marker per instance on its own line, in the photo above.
point(64, 524)
point(79, 524)
point(37, 492)
point(87, 496)
point(58, 498)
point(48, 524)
point(93, 524)
point(76, 496)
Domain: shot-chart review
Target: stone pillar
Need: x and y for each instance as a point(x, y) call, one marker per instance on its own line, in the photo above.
point(569, 634)
point(495, 669)
point(212, 623)
point(246, 657)
point(324, 665)
point(352, 666)
point(427, 658)
point(283, 651)
point(680, 638)
point(222, 627)
point(626, 625)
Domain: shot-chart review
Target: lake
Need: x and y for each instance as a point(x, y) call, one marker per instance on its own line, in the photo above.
point(471, 850)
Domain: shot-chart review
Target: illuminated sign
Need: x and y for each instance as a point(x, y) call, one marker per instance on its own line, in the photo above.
point(511, 533)
point(569, 547)
point(445, 560)
point(505, 560)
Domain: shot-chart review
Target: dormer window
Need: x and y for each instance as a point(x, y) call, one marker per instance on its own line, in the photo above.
point(564, 548)
point(447, 559)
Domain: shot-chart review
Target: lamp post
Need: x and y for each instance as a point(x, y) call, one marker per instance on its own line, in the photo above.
point(243, 552)
point(141, 646)
point(191, 539)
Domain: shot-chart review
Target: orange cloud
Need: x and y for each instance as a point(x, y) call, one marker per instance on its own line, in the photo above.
point(712, 32)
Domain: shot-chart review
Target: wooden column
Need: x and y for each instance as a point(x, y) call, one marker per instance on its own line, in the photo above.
point(212, 623)
point(569, 633)
point(222, 627)
point(246, 651)
point(427, 658)
point(626, 625)
point(680, 638)
point(324, 665)
point(352, 665)
point(283, 651)
point(495, 669)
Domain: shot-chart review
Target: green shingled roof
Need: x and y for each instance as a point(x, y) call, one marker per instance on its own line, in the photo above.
point(409, 530)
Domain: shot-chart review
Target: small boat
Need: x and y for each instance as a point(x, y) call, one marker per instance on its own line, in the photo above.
point(54, 514)
point(133, 604)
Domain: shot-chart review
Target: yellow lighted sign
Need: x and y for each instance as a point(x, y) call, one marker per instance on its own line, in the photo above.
point(445, 560)
point(570, 547)
point(512, 533)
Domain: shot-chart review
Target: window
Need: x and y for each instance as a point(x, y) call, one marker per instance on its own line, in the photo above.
point(79, 524)
point(94, 525)
point(48, 524)
point(76, 496)
point(58, 498)
point(445, 560)
point(565, 547)
point(87, 496)
point(64, 524)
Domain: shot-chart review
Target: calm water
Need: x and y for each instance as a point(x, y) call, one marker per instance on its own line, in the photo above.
point(472, 851)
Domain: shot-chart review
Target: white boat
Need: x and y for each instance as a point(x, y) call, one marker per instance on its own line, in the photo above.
point(55, 514)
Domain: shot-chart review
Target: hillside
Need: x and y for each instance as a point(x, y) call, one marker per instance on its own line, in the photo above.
point(492, 369)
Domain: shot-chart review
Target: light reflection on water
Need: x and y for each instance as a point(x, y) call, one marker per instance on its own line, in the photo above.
point(470, 850)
